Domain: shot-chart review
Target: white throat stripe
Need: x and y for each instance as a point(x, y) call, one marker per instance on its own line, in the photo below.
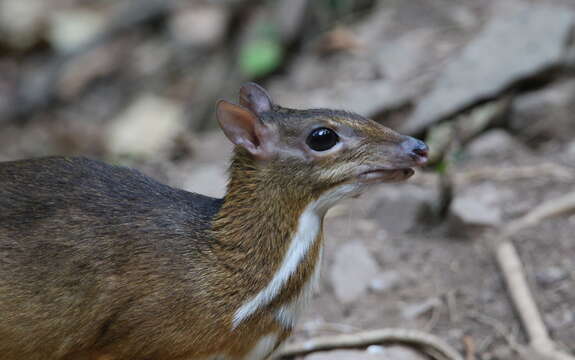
point(309, 224)
point(307, 231)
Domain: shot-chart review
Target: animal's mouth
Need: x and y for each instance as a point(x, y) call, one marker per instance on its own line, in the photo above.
point(385, 175)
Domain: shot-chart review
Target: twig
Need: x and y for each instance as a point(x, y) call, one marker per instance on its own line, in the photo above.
point(469, 347)
point(430, 344)
point(451, 301)
point(544, 211)
point(435, 314)
point(499, 328)
point(519, 290)
point(512, 269)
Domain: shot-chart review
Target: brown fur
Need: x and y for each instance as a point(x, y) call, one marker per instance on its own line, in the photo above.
point(103, 263)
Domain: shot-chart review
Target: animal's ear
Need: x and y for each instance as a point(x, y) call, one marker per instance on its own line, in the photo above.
point(255, 98)
point(244, 129)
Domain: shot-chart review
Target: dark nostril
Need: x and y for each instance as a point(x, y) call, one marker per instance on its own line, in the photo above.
point(420, 148)
point(416, 149)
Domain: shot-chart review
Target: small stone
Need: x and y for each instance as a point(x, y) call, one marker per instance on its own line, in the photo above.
point(550, 275)
point(494, 142)
point(70, 29)
point(199, 26)
point(21, 22)
point(352, 271)
point(375, 349)
point(384, 281)
point(476, 209)
point(528, 40)
point(147, 128)
point(413, 311)
point(350, 96)
point(474, 213)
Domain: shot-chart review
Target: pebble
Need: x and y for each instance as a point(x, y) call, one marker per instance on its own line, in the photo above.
point(352, 272)
point(385, 281)
point(147, 127)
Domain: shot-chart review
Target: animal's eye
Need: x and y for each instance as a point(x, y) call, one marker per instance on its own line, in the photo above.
point(322, 139)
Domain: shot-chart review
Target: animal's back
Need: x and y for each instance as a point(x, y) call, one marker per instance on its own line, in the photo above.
point(73, 233)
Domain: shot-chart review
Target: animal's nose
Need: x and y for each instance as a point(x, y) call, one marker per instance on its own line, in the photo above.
point(416, 149)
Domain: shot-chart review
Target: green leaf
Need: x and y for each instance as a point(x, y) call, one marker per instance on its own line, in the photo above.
point(441, 167)
point(260, 57)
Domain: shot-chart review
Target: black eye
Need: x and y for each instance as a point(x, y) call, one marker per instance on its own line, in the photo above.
point(322, 139)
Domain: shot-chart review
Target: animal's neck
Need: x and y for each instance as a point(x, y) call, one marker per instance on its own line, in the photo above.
point(269, 229)
point(261, 207)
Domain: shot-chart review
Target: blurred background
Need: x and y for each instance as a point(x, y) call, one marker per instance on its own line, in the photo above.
point(490, 85)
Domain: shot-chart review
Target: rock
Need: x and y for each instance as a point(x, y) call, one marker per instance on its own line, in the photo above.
point(550, 275)
point(400, 207)
point(209, 179)
point(385, 281)
point(70, 29)
point(392, 352)
point(21, 22)
point(146, 128)
point(532, 113)
point(354, 96)
point(475, 209)
point(539, 102)
point(528, 41)
point(402, 58)
point(199, 26)
point(352, 271)
point(471, 212)
point(413, 311)
point(375, 349)
point(495, 142)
